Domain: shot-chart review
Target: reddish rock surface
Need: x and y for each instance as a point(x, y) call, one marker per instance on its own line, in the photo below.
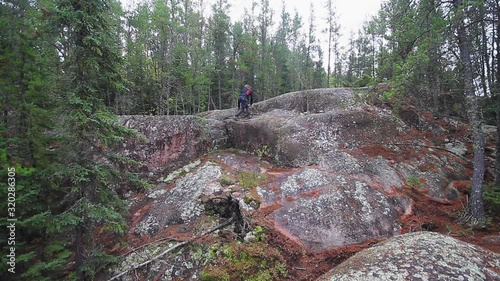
point(323, 172)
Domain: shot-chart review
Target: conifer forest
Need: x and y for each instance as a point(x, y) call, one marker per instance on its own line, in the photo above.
point(68, 68)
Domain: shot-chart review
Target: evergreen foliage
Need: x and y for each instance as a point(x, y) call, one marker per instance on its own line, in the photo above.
point(492, 200)
point(90, 133)
point(60, 73)
point(27, 64)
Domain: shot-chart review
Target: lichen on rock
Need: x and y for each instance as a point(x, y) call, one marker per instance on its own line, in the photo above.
point(328, 210)
point(419, 256)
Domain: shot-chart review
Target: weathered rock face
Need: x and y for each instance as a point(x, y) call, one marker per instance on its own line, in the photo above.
point(419, 256)
point(179, 205)
point(170, 141)
point(334, 177)
point(334, 129)
point(357, 156)
point(324, 209)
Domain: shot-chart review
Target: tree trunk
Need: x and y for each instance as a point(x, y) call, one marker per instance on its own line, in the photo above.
point(475, 118)
point(497, 93)
point(79, 259)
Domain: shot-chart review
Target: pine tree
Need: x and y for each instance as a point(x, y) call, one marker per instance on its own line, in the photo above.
point(219, 40)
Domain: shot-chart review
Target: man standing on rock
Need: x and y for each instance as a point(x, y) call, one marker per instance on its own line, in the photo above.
point(245, 101)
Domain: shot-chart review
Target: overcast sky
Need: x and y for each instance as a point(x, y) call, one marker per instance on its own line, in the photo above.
point(351, 13)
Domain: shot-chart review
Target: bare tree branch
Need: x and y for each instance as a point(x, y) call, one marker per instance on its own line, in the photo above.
point(176, 246)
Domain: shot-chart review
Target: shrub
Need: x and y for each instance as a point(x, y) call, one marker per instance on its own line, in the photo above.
point(492, 199)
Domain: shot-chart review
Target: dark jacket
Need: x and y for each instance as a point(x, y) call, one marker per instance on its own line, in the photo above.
point(246, 96)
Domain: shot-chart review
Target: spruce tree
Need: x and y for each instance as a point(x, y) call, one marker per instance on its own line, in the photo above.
point(92, 172)
point(27, 63)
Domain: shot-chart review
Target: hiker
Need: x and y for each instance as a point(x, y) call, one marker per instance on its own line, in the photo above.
point(245, 101)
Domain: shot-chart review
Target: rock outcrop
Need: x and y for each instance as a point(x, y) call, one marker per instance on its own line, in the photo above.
point(419, 256)
point(323, 168)
point(357, 156)
point(170, 142)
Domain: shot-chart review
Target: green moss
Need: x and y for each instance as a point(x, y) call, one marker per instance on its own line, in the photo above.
point(249, 179)
point(227, 180)
point(264, 275)
point(214, 274)
point(414, 182)
point(259, 233)
point(252, 201)
point(263, 151)
point(280, 268)
point(256, 261)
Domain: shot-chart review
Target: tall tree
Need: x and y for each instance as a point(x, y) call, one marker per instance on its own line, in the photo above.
point(28, 61)
point(473, 109)
point(266, 66)
point(91, 171)
point(333, 32)
point(311, 45)
point(281, 50)
point(496, 16)
point(220, 25)
point(139, 68)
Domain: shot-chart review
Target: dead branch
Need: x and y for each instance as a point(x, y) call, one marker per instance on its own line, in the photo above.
point(176, 246)
point(151, 243)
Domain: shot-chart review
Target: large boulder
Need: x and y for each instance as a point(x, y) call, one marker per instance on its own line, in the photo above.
point(332, 128)
point(354, 160)
point(323, 210)
point(419, 256)
point(166, 206)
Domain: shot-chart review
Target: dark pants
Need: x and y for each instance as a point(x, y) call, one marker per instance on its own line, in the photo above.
point(244, 108)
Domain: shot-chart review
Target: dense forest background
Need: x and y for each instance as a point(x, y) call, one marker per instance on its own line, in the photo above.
point(67, 67)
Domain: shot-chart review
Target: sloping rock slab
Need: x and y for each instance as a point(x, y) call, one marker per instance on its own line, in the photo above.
point(180, 204)
point(333, 129)
point(324, 210)
point(308, 101)
point(419, 256)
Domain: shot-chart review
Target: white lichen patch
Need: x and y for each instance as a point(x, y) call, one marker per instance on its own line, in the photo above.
point(325, 137)
point(456, 147)
point(339, 161)
point(190, 187)
point(360, 195)
point(137, 257)
point(175, 174)
point(421, 256)
point(307, 180)
point(156, 193)
point(148, 226)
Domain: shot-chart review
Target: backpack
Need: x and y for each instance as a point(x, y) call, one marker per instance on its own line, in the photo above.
point(244, 95)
